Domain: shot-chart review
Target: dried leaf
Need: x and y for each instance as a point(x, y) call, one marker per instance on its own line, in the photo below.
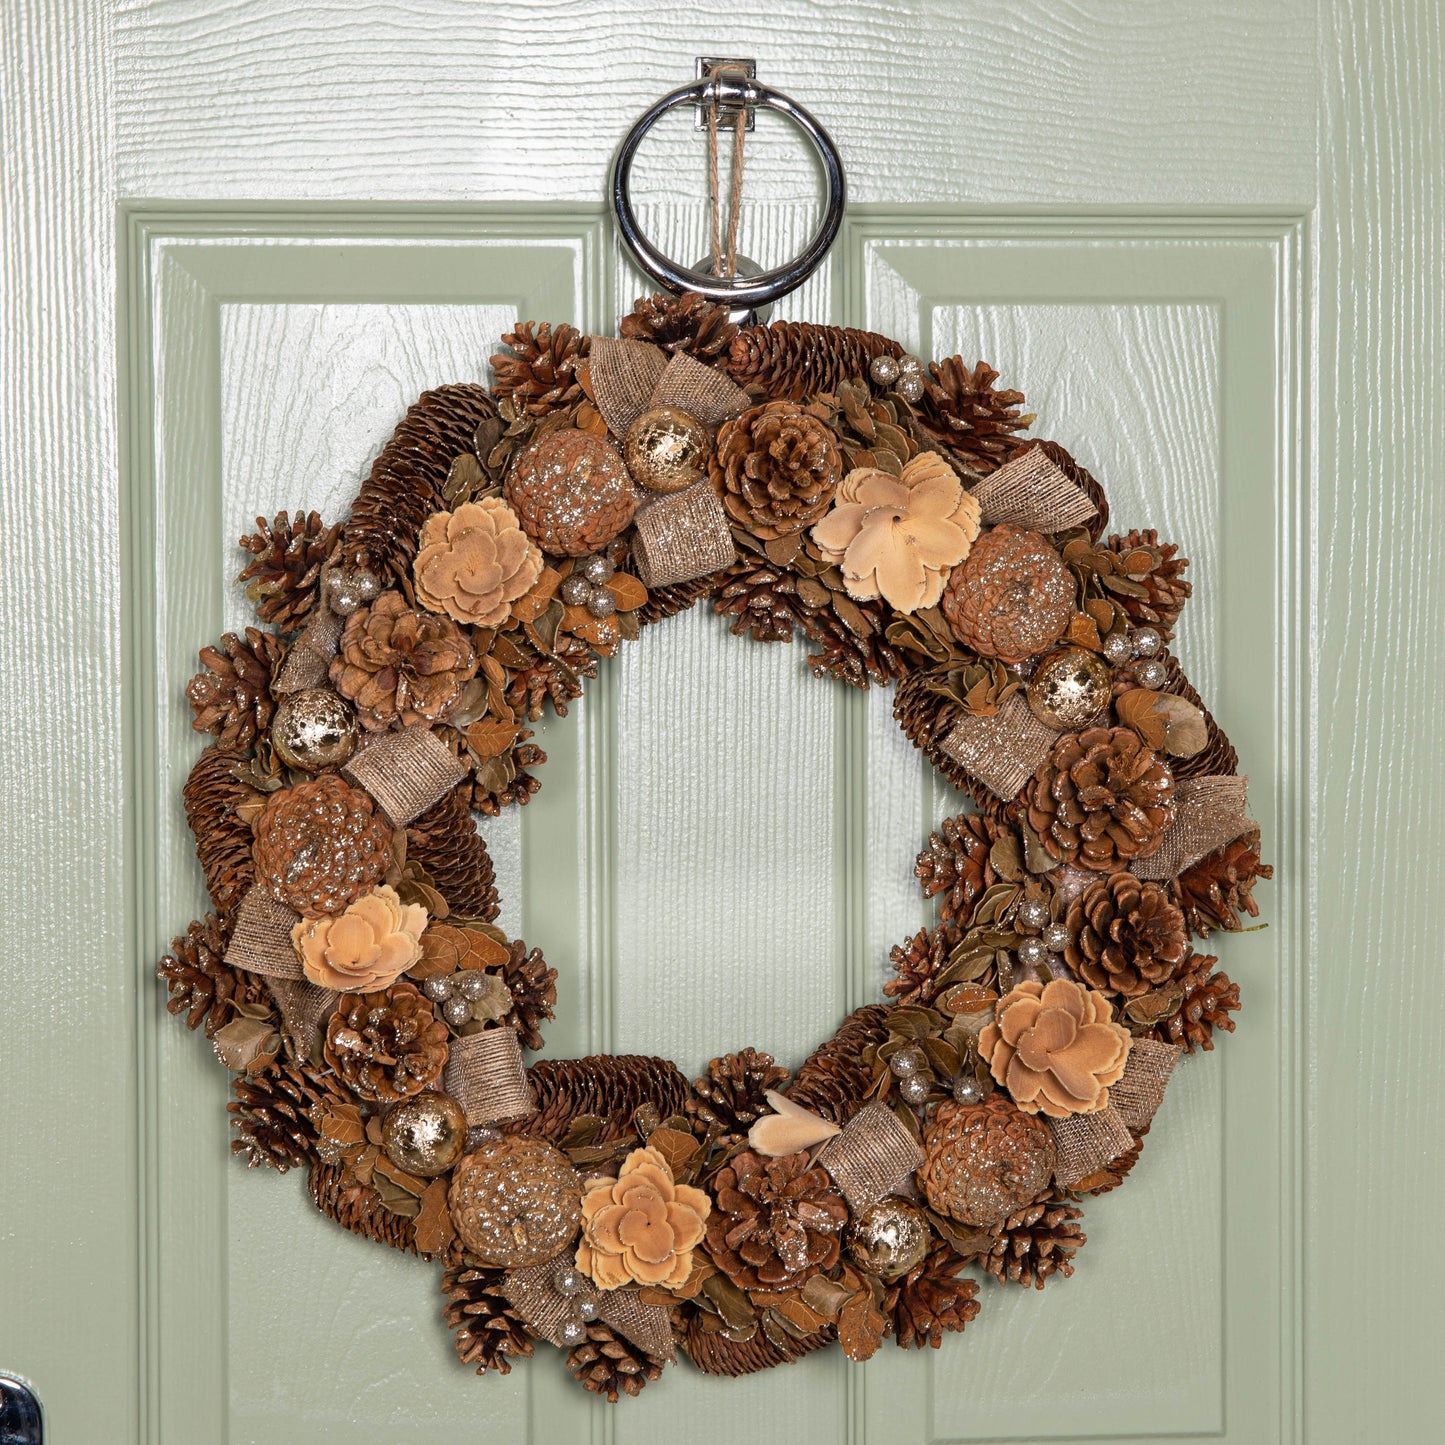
point(1148, 1009)
point(1136, 710)
point(530, 607)
point(628, 590)
point(1006, 857)
point(433, 1231)
point(491, 737)
point(674, 1146)
point(860, 1326)
point(244, 1042)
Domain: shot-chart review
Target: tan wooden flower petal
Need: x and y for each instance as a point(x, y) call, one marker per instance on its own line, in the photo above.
point(789, 1129)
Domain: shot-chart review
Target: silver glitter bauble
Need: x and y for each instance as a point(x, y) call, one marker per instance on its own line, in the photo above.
point(666, 450)
point(313, 730)
point(438, 988)
point(471, 983)
point(908, 1061)
point(571, 1332)
point(914, 1089)
point(602, 603)
point(889, 1237)
point(348, 588)
point(884, 370)
point(910, 387)
point(515, 1202)
point(576, 589)
point(587, 1309)
point(568, 1279)
point(1117, 648)
point(457, 1011)
point(1033, 913)
point(1032, 952)
point(1057, 938)
point(598, 570)
point(1151, 673)
point(1147, 641)
point(966, 1089)
point(909, 365)
point(426, 1134)
point(1070, 689)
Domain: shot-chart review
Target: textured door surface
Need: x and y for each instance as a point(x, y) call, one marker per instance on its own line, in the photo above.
point(1205, 240)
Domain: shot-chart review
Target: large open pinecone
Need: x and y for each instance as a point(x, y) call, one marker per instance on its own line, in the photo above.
point(715, 1354)
point(833, 1080)
point(1209, 999)
point(611, 1087)
point(689, 323)
point(794, 359)
point(232, 696)
point(1128, 937)
point(775, 1222)
point(283, 577)
point(776, 468)
point(211, 795)
point(1012, 596)
point(1220, 887)
point(539, 374)
point(201, 984)
point(1101, 799)
point(976, 422)
point(1037, 1242)
point(1157, 573)
point(984, 1161)
point(609, 1364)
point(386, 1045)
point(358, 1208)
point(956, 864)
point(918, 961)
point(490, 1334)
point(729, 1097)
point(272, 1112)
point(454, 856)
point(931, 1299)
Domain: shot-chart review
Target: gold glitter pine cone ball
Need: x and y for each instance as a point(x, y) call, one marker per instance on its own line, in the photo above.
point(889, 1237)
point(1070, 689)
point(313, 730)
point(425, 1135)
point(571, 492)
point(516, 1201)
point(666, 450)
point(985, 1161)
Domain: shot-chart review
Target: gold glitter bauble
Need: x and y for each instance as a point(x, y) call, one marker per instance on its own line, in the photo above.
point(426, 1134)
point(666, 450)
point(516, 1201)
point(983, 1162)
point(889, 1237)
point(1070, 689)
point(571, 492)
point(313, 729)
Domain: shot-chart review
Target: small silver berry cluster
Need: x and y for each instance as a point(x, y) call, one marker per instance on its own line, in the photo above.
point(903, 373)
point(456, 992)
point(569, 1282)
point(1047, 937)
point(586, 586)
point(1143, 644)
point(350, 588)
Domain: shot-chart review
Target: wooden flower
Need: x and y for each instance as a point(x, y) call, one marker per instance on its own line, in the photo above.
point(899, 537)
point(641, 1227)
point(475, 562)
point(366, 948)
point(1055, 1049)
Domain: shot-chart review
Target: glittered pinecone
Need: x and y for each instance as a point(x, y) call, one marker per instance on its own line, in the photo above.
point(571, 492)
point(976, 422)
point(728, 1099)
point(534, 992)
point(956, 864)
point(664, 602)
point(931, 1299)
point(775, 1222)
point(919, 961)
point(454, 856)
point(794, 359)
point(853, 646)
point(1209, 999)
point(1101, 799)
point(356, 1207)
point(321, 845)
point(761, 600)
point(776, 468)
point(1086, 483)
point(984, 1161)
point(223, 839)
point(539, 373)
point(490, 1334)
point(555, 678)
point(201, 984)
point(283, 577)
point(1037, 1242)
point(1216, 890)
point(400, 666)
point(1127, 935)
point(688, 323)
point(1160, 590)
point(515, 1201)
point(387, 1045)
point(272, 1112)
point(232, 697)
point(833, 1080)
point(1011, 597)
point(611, 1087)
point(609, 1364)
point(715, 1354)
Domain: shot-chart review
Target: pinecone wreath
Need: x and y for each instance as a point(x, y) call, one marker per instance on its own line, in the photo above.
point(354, 977)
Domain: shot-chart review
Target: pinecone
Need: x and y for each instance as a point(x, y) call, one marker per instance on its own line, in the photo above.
point(926, 717)
point(872, 431)
point(489, 1332)
point(775, 1222)
point(539, 375)
point(920, 960)
point(1011, 597)
point(202, 985)
point(663, 602)
point(406, 482)
point(1153, 566)
point(1127, 936)
point(1111, 1175)
point(400, 666)
point(454, 856)
point(223, 839)
point(1218, 888)
point(284, 575)
point(729, 1097)
point(794, 359)
point(608, 1364)
point(776, 468)
point(321, 845)
point(506, 782)
point(534, 992)
point(849, 655)
point(357, 1208)
point(931, 1299)
point(715, 1354)
point(387, 1045)
point(1208, 1001)
point(956, 864)
point(984, 1161)
point(272, 1111)
point(1101, 799)
point(553, 678)
point(834, 1081)
point(612, 1087)
point(1084, 480)
point(1035, 1243)
point(962, 409)
point(571, 492)
point(232, 697)
point(688, 323)
point(761, 599)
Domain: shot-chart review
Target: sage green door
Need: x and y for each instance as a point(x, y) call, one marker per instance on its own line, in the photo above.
point(1204, 238)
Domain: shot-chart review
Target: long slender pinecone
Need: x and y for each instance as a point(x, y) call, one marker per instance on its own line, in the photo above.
point(1085, 481)
point(1209, 999)
point(715, 1354)
point(608, 1364)
point(962, 409)
point(272, 1112)
point(223, 840)
point(1220, 887)
point(663, 602)
point(689, 323)
point(283, 576)
point(1158, 568)
point(794, 359)
point(931, 1299)
point(534, 992)
point(1036, 1243)
point(357, 1208)
point(729, 1096)
point(539, 374)
point(833, 1079)
point(490, 1334)
point(612, 1087)
point(231, 696)
point(956, 864)
point(445, 843)
point(406, 480)
point(202, 985)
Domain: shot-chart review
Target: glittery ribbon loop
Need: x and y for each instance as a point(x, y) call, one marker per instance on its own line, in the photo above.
point(308, 662)
point(533, 1293)
point(1033, 491)
point(486, 1076)
point(1001, 750)
point(1208, 813)
point(303, 1006)
point(700, 390)
point(261, 942)
point(681, 537)
point(623, 375)
point(874, 1156)
point(1087, 1142)
point(406, 772)
point(1135, 1097)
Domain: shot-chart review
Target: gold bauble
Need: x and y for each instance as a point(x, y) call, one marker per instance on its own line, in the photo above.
point(889, 1237)
point(426, 1134)
point(1069, 689)
point(313, 729)
point(666, 450)
point(516, 1201)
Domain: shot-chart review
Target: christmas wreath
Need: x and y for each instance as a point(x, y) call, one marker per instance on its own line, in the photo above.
point(805, 479)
